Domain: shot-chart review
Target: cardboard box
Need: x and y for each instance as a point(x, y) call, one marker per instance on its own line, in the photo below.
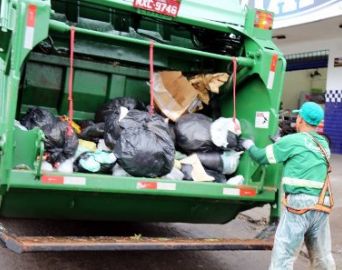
point(174, 94)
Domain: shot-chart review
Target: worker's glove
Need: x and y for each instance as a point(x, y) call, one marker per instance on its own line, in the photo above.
point(247, 143)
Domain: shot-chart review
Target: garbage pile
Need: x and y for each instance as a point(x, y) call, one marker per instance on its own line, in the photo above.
point(177, 142)
point(212, 151)
point(60, 142)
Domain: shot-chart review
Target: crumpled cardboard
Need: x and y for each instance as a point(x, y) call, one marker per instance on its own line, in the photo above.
point(205, 83)
point(174, 95)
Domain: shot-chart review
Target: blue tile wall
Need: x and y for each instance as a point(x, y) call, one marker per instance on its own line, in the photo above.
point(333, 119)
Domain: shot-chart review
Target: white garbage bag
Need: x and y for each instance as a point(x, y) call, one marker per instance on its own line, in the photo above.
point(223, 130)
point(231, 161)
point(236, 180)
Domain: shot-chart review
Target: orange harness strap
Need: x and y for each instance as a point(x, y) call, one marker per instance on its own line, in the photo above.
point(319, 206)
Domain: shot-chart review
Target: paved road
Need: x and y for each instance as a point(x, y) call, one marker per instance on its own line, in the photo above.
point(246, 225)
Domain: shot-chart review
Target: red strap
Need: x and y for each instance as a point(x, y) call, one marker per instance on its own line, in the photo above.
point(151, 78)
point(71, 79)
point(234, 92)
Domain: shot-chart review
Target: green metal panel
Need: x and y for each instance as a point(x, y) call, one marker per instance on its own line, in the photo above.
point(94, 83)
point(104, 197)
point(42, 83)
point(73, 205)
point(117, 86)
point(112, 43)
point(215, 14)
point(88, 85)
point(26, 147)
point(134, 88)
point(14, 16)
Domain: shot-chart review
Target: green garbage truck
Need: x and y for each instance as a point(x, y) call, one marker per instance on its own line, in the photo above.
point(111, 44)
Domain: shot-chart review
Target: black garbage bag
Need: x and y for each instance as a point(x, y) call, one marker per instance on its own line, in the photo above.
point(239, 146)
point(144, 147)
point(219, 177)
point(211, 161)
point(193, 133)
point(59, 144)
point(95, 162)
point(114, 105)
point(172, 131)
point(85, 123)
point(38, 117)
point(112, 129)
point(232, 140)
point(93, 132)
point(186, 169)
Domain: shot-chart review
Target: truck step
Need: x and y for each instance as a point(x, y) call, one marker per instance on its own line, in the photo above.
point(24, 244)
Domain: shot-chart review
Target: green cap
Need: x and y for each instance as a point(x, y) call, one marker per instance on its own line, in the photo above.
point(311, 112)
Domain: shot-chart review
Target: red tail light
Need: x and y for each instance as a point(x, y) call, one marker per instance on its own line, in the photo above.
point(263, 20)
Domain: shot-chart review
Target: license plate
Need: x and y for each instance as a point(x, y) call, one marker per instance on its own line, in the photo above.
point(165, 7)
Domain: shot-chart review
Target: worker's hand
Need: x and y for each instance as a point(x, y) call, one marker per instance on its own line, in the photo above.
point(247, 143)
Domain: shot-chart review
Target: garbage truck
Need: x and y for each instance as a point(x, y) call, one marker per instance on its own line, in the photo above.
point(103, 49)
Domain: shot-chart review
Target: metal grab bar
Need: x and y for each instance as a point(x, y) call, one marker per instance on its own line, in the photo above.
point(63, 27)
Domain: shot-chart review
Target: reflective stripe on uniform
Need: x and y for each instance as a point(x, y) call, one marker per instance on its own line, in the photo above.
point(302, 182)
point(270, 154)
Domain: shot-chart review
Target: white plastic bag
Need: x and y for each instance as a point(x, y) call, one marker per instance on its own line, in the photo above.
point(101, 145)
point(66, 166)
point(47, 167)
point(20, 126)
point(236, 180)
point(220, 128)
point(123, 112)
point(175, 174)
point(231, 161)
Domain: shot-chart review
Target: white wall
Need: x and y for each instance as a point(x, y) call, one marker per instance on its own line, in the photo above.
point(334, 80)
point(334, 74)
point(300, 81)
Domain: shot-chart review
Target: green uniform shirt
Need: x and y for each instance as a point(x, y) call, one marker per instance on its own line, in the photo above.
point(305, 168)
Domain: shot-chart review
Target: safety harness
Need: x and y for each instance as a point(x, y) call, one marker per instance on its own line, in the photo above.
point(319, 206)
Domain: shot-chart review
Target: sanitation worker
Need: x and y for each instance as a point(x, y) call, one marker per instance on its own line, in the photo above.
point(305, 218)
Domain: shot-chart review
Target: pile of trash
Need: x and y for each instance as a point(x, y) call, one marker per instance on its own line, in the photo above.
point(60, 142)
point(177, 142)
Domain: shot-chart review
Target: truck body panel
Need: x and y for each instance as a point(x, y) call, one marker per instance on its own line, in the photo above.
point(111, 60)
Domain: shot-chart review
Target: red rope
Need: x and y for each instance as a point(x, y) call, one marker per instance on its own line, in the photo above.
point(234, 92)
point(71, 79)
point(151, 78)
point(234, 87)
